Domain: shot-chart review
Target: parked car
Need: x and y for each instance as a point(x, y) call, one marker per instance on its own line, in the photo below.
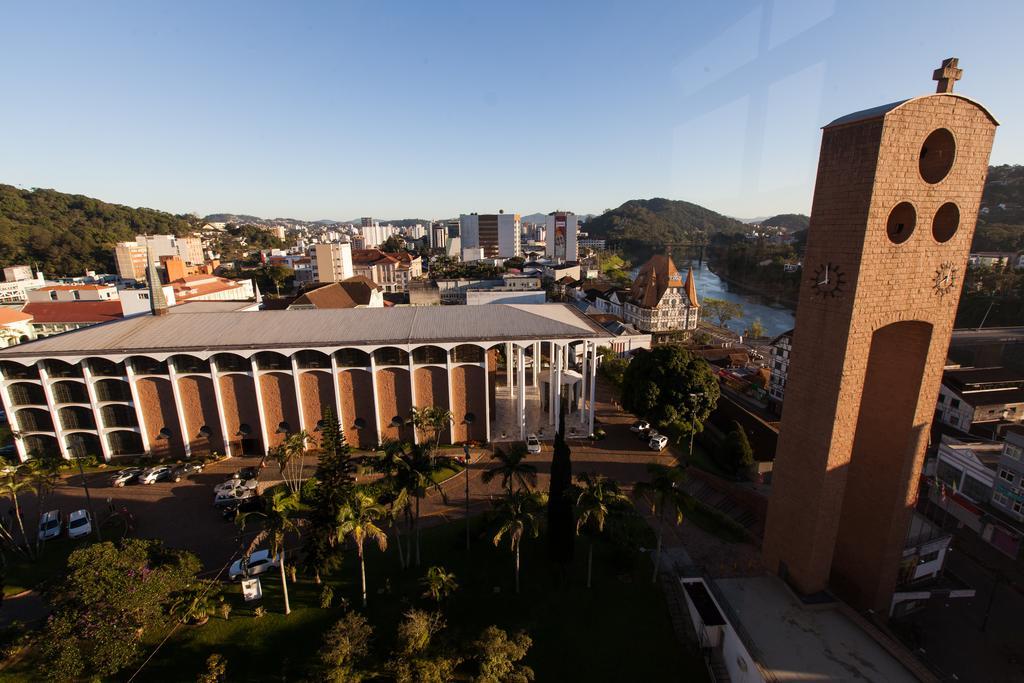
point(640, 426)
point(658, 442)
point(233, 496)
point(182, 471)
point(79, 524)
point(50, 525)
point(152, 475)
point(127, 476)
point(232, 484)
point(246, 473)
point(532, 444)
point(259, 562)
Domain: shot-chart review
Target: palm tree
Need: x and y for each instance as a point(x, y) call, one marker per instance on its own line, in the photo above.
point(276, 524)
point(417, 467)
point(597, 495)
point(440, 583)
point(665, 490)
point(511, 467)
point(516, 514)
point(290, 457)
point(44, 471)
point(358, 521)
point(433, 420)
point(12, 486)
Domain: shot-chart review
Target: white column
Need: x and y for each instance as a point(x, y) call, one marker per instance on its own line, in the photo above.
point(298, 391)
point(509, 369)
point(337, 392)
point(259, 404)
point(52, 405)
point(412, 396)
point(558, 383)
point(9, 409)
point(521, 358)
point(221, 419)
point(536, 362)
point(448, 383)
point(129, 372)
point(172, 375)
point(376, 403)
point(593, 383)
point(551, 383)
point(90, 388)
point(487, 398)
point(585, 379)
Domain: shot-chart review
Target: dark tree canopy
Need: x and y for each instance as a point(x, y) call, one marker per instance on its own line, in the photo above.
point(66, 234)
point(561, 524)
point(670, 387)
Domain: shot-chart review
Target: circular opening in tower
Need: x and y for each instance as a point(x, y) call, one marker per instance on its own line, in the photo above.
point(937, 155)
point(901, 223)
point(946, 222)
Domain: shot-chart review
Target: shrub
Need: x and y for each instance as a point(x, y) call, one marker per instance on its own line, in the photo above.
point(326, 597)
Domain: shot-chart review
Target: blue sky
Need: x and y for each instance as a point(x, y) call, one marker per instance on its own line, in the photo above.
point(395, 109)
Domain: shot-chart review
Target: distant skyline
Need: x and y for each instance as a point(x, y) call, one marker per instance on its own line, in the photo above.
point(405, 109)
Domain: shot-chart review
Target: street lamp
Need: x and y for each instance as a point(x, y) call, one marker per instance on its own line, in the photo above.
point(693, 395)
point(468, 419)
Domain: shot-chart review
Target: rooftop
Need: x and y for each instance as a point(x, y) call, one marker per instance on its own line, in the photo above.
point(315, 328)
point(74, 311)
point(795, 642)
point(9, 316)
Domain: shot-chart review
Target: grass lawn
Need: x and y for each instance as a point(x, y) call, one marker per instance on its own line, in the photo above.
point(620, 630)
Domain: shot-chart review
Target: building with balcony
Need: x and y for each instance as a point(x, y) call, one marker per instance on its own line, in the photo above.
point(181, 384)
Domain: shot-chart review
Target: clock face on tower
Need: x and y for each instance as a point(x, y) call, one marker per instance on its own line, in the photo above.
point(945, 278)
point(828, 280)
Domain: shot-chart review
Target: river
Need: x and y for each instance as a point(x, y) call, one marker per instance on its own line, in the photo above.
point(775, 317)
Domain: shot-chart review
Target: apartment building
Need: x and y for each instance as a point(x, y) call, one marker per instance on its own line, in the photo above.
point(392, 271)
point(562, 233)
point(497, 234)
point(332, 262)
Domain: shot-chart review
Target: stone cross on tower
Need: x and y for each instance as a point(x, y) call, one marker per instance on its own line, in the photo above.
point(947, 75)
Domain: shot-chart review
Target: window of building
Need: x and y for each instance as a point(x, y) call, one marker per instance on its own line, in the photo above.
point(53, 295)
point(1017, 506)
point(975, 489)
point(947, 474)
point(954, 403)
point(1013, 452)
point(1000, 499)
point(942, 399)
point(1006, 475)
point(928, 557)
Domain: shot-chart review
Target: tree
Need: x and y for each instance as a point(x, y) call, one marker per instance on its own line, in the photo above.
point(667, 495)
point(216, 670)
point(276, 522)
point(498, 655)
point(561, 535)
point(195, 604)
point(512, 468)
point(358, 521)
point(393, 244)
point(756, 329)
point(670, 387)
point(739, 454)
point(416, 470)
point(433, 420)
point(335, 477)
point(439, 583)
point(113, 597)
point(612, 367)
point(516, 517)
point(290, 457)
point(721, 310)
point(417, 658)
point(346, 646)
point(597, 496)
point(12, 486)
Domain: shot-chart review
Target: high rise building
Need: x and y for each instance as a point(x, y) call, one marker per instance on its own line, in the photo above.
point(130, 257)
point(332, 262)
point(561, 237)
point(497, 234)
point(895, 205)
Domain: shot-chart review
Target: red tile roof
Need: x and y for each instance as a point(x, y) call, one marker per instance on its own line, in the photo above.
point(74, 311)
point(9, 315)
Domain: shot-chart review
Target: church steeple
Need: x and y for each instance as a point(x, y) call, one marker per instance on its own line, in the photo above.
point(157, 300)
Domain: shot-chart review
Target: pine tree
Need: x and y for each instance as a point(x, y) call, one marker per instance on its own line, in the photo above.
point(561, 524)
point(335, 478)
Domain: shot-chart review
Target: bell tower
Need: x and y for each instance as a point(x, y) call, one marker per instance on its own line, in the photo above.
point(895, 203)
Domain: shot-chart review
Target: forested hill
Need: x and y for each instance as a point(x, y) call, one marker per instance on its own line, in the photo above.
point(641, 226)
point(66, 234)
point(794, 222)
point(1001, 221)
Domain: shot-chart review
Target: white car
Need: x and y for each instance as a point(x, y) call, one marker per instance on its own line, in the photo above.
point(232, 484)
point(532, 444)
point(126, 476)
point(50, 525)
point(259, 562)
point(658, 443)
point(79, 524)
point(232, 496)
point(640, 426)
point(154, 474)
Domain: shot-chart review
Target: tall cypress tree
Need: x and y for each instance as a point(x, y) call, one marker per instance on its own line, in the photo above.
point(335, 477)
point(561, 524)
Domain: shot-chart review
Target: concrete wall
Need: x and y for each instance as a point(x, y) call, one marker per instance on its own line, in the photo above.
point(199, 405)
point(468, 396)
point(277, 390)
point(356, 391)
point(317, 391)
point(394, 399)
point(432, 390)
point(238, 394)
point(156, 402)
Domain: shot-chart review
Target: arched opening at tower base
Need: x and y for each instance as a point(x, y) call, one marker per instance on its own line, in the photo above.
point(890, 437)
